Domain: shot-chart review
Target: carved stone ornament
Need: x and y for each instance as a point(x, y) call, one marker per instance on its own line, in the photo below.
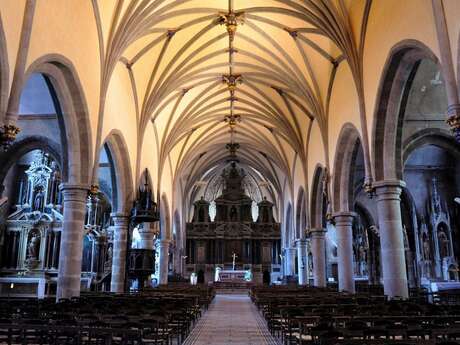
point(8, 135)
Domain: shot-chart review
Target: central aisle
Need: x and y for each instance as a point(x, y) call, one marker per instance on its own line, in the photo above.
point(231, 319)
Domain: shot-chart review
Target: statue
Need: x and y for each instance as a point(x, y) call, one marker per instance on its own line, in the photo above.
point(33, 247)
point(217, 274)
point(443, 245)
point(426, 249)
point(362, 257)
point(310, 263)
point(39, 200)
point(193, 278)
point(109, 254)
point(248, 275)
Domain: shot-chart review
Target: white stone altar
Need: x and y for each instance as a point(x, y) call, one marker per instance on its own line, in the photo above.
point(232, 276)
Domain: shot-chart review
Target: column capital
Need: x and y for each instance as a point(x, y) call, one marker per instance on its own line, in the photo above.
point(74, 191)
point(344, 218)
point(8, 133)
point(73, 186)
point(317, 233)
point(390, 184)
point(120, 219)
point(389, 189)
point(301, 242)
point(287, 249)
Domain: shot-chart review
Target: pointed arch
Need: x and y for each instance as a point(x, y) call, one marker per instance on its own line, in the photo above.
point(430, 136)
point(349, 138)
point(301, 214)
point(23, 146)
point(123, 174)
point(73, 114)
point(386, 145)
point(288, 226)
point(317, 205)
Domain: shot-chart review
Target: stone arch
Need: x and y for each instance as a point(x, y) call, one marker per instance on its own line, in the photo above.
point(363, 210)
point(387, 155)
point(288, 229)
point(349, 139)
point(430, 136)
point(300, 213)
point(4, 71)
point(409, 211)
point(21, 147)
point(165, 218)
point(317, 208)
point(123, 175)
point(73, 114)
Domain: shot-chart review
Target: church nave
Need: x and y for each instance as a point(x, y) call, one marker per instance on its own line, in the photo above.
point(160, 156)
point(232, 319)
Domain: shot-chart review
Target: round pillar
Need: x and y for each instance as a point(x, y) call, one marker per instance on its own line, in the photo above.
point(318, 251)
point(164, 261)
point(391, 238)
point(289, 258)
point(302, 261)
point(120, 238)
point(343, 225)
point(74, 204)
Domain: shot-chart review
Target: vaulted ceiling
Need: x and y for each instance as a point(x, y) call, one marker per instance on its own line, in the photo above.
point(254, 72)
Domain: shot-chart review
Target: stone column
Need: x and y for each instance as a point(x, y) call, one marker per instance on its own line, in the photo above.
point(302, 261)
point(74, 203)
point(289, 257)
point(318, 250)
point(391, 238)
point(343, 225)
point(120, 238)
point(164, 260)
point(178, 261)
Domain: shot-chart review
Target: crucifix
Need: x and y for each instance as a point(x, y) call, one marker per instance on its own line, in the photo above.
point(234, 256)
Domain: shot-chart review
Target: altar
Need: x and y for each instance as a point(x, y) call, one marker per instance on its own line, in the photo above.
point(232, 276)
point(233, 242)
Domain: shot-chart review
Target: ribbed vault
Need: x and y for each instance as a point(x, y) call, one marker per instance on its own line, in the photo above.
point(256, 72)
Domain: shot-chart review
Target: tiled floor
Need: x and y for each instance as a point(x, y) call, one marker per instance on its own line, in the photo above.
point(231, 320)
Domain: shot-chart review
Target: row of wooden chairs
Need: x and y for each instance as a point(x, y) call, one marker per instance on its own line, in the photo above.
point(163, 316)
point(306, 315)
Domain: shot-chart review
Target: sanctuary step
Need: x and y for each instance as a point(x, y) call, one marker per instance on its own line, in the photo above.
point(232, 287)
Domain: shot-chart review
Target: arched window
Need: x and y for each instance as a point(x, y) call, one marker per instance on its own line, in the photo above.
point(37, 97)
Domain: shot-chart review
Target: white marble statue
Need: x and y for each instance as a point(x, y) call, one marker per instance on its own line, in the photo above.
point(217, 274)
point(193, 278)
point(248, 276)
